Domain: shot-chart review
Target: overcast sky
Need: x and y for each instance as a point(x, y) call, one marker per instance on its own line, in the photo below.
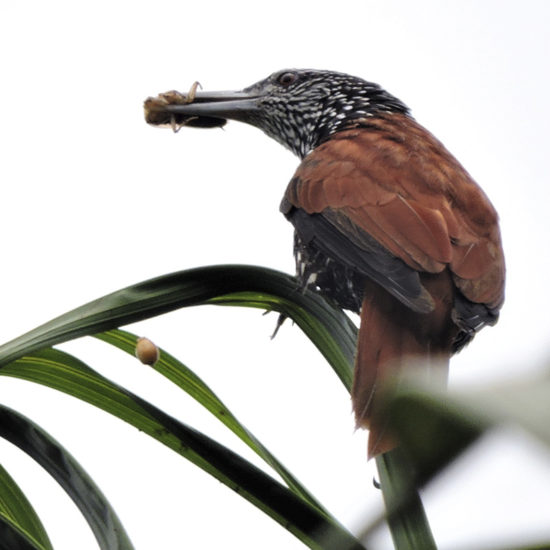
point(93, 199)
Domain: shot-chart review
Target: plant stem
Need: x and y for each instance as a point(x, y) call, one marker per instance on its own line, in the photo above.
point(407, 519)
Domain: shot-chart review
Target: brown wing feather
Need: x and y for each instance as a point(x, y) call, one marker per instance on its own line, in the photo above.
point(408, 230)
point(396, 182)
point(389, 180)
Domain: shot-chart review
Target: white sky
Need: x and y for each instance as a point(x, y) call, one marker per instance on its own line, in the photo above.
point(93, 200)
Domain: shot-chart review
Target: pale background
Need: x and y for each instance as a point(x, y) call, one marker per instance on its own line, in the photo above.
point(93, 200)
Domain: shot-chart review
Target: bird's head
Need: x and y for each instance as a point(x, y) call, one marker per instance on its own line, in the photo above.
point(297, 108)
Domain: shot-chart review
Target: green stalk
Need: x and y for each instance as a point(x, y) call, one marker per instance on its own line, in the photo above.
point(406, 517)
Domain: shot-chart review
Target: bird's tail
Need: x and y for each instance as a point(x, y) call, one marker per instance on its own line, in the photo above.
point(392, 337)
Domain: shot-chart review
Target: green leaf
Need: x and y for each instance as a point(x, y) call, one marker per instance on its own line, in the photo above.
point(66, 373)
point(406, 517)
point(188, 381)
point(327, 326)
point(47, 452)
point(19, 518)
point(12, 537)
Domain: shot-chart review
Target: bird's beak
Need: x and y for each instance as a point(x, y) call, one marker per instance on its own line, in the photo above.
point(199, 109)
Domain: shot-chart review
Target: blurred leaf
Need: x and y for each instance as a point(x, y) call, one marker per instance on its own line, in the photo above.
point(545, 546)
point(66, 373)
point(436, 425)
point(19, 517)
point(327, 326)
point(47, 452)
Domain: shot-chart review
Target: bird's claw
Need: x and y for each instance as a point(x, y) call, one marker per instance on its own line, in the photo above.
point(280, 320)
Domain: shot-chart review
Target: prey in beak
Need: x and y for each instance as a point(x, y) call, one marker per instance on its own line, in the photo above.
point(197, 109)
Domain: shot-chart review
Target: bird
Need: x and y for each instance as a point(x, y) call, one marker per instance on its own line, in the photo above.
point(387, 223)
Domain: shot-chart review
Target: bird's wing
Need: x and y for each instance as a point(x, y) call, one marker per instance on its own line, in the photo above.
point(390, 182)
point(339, 239)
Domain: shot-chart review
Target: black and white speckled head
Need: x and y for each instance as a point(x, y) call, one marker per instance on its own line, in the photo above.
point(299, 108)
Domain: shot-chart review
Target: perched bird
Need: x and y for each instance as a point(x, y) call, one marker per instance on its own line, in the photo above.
point(387, 223)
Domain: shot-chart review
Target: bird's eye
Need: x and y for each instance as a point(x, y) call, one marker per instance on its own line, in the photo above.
point(286, 79)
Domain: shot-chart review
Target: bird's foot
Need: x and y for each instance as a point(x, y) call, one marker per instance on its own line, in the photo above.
point(280, 320)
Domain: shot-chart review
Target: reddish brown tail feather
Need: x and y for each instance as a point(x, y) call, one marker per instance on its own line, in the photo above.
point(391, 338)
